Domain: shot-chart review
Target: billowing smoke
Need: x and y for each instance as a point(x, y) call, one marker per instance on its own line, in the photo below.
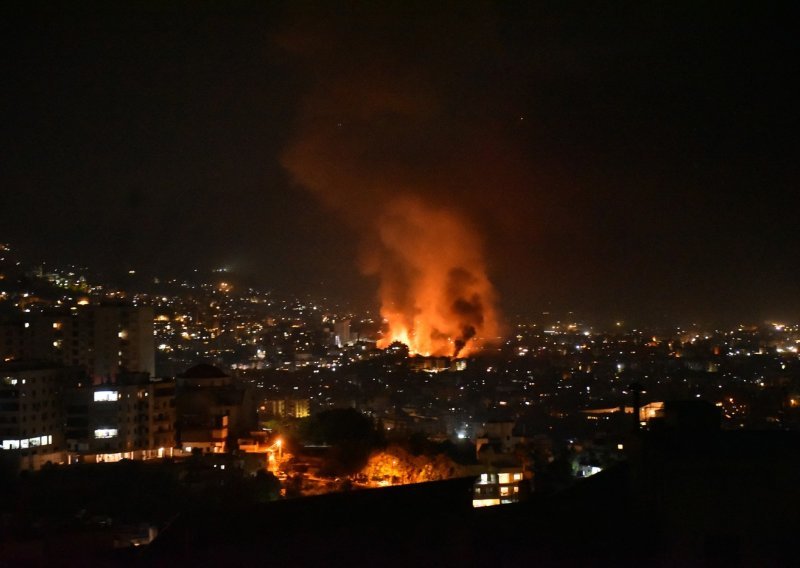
point(377, 141)
point(434, 292)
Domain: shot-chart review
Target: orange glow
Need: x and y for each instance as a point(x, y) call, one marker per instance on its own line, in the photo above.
point(367, 146)
point(435, 294)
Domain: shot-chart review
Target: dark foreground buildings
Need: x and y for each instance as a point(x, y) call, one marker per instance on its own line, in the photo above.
point(684, 498)
point(689, 494)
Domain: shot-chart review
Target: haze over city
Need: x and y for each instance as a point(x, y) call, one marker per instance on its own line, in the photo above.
point(399, 283)
point(618, 163)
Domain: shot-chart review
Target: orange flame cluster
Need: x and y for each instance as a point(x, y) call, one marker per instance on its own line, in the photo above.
point(377, 141)
point(435, 295)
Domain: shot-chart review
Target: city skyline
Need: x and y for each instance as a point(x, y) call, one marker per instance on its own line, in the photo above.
point(620, 163)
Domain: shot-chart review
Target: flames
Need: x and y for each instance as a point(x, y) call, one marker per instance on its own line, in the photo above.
point(377, 140)
point(434, 292)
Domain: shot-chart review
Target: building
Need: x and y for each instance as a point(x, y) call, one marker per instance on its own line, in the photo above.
point(498, 488)
point(31, 419)
point(341, 333)
point(51, 413)
point(131, 418)
point(163, 416)
point(104, 339)
point(211, 409)
point(420, 364)
point(284, 407)
point(499, 435)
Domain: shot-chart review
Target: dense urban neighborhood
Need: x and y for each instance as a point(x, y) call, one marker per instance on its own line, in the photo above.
point(119, 408)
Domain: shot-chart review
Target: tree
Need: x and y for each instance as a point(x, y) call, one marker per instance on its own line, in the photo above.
point(397, 465)
point(338, 425)
point(352, 436)
point(267, 487)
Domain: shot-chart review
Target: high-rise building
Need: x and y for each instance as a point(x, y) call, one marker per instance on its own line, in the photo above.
point(31, 415)
point(133, 418)
point(104, 339)
point(341, 333)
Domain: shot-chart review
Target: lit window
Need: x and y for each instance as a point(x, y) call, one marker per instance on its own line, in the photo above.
point(504, 478)
point(105, 433)
point(106, 396)
point(485, 502)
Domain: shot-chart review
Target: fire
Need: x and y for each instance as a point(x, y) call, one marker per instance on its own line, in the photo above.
point(435, 294)
point(386, 151)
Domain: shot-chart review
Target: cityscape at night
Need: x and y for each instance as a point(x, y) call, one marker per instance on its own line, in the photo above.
point(376, 283)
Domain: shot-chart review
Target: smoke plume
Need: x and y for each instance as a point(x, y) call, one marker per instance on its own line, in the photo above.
point(434, 291)
point(377, 141)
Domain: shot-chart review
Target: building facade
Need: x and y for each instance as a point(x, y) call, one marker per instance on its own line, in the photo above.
point(211, 409)
point(132, 418)
point(104, 339)
point(31, 414)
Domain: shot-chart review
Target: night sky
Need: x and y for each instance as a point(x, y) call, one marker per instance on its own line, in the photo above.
point(619, 160)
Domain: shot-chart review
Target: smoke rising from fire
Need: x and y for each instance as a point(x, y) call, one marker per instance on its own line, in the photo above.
point(435, 295)
point(377, 140)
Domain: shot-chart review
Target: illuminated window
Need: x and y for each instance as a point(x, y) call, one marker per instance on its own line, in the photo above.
point(517, 476)
point(504, 491)
point(10, 444)
point(485, 502)
point(504, 478)
point(106, 396)
point(101, 433)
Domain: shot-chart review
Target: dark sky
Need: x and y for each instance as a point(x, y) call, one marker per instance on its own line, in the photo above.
point(622, 161)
